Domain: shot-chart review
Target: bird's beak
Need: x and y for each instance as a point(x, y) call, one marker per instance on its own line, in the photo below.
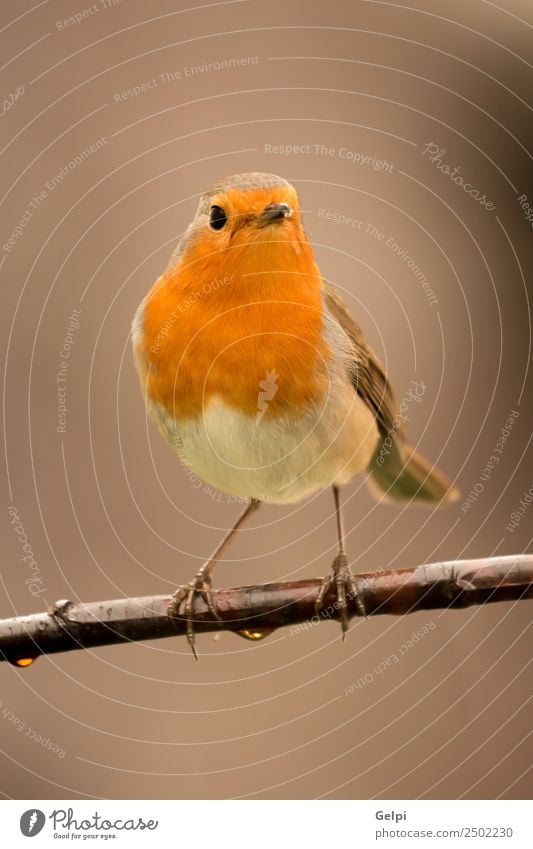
point(274, 212)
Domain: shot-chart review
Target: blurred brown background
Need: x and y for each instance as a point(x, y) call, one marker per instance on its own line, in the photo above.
point(107, 510)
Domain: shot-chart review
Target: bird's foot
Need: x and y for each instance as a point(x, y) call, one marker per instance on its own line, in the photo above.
point(347, 588)
point(202, 586)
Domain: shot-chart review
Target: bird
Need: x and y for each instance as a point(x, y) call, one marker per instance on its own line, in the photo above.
point(254, 371)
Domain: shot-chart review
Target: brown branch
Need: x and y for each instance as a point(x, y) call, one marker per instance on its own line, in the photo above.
point(256, 611)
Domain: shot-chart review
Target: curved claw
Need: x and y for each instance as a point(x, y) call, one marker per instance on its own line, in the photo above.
point(200, 585)
point(346, 587)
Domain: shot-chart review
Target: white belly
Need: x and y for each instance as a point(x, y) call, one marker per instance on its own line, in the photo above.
point(277, 459)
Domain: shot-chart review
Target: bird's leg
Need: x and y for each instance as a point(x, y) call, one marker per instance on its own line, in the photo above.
point(202, 583)
point(340, 576)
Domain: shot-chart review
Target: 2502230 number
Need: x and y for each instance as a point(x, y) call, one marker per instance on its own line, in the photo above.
point(488, 831)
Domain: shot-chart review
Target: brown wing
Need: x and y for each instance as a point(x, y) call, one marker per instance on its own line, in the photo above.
point(368, 376)
point(396, 470)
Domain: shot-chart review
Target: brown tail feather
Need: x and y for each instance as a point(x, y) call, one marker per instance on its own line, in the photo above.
point(404, 475)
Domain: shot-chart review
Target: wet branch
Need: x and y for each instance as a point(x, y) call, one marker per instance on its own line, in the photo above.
point(256, 611)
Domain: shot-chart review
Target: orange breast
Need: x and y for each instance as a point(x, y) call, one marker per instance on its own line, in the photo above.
point(227, 335)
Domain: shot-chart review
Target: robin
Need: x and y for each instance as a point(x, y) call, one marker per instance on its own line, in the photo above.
point(259, 378)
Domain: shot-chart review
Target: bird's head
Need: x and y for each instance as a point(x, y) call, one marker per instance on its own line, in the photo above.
point(243, 219)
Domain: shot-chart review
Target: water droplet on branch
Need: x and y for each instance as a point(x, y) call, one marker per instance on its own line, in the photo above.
point(255, 634)
point(23, 661)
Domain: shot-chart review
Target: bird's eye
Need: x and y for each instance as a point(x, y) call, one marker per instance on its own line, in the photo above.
point(217, 217)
